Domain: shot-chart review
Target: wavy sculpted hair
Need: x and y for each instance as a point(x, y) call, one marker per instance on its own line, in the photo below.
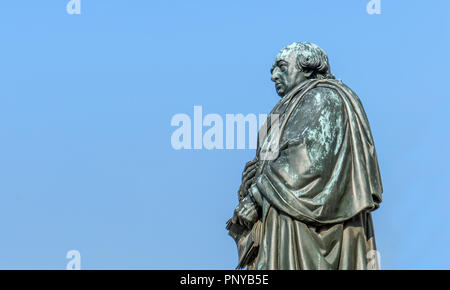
point(310, 57)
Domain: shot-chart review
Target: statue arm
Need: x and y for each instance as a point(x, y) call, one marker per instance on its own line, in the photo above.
point(296, 181)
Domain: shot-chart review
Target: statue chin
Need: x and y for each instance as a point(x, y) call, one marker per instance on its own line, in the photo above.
point(281, 92)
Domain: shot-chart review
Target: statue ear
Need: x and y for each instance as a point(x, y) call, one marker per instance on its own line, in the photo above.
point(308, 73)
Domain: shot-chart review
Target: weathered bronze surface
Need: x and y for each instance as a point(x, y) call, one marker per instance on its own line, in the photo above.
point(310, 206)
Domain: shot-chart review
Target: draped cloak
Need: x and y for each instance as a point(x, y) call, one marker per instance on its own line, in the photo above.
point(317, 195)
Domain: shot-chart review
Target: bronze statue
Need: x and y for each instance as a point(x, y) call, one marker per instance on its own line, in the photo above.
point(310, 206)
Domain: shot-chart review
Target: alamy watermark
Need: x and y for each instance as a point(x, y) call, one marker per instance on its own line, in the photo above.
point(374, 7)
point(73, 7)
point(373, 260)
point(75, 260)
point(213, 132)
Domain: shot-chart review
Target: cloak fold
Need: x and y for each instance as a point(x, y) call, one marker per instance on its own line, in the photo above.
point(317, 194)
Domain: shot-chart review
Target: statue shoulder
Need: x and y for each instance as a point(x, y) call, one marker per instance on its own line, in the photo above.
point(321, 97)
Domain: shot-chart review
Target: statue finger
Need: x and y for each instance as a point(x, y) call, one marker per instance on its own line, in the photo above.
point(251, 162)
point(250, 175)
point(240, 221)
point(234, 219)
point(249, 169)
point(248, 184)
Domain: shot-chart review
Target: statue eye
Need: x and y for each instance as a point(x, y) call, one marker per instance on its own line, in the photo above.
point(283, 67)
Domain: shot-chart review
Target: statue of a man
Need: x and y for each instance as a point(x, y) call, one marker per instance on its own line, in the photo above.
point(309, 207)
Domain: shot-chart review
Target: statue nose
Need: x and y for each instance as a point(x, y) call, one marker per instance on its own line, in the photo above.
point(275, 77)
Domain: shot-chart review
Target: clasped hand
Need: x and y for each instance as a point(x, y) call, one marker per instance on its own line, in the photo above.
point(248, 177)
point(246, 213)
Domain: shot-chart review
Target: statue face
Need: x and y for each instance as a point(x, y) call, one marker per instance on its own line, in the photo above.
point(285, 73)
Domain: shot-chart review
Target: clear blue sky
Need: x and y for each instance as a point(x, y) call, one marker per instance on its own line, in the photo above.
point(86, 102)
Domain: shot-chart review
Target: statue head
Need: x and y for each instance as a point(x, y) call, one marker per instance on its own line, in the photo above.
point(298, 62)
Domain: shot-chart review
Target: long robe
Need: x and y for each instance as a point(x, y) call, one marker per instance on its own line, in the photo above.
point(317, 195)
